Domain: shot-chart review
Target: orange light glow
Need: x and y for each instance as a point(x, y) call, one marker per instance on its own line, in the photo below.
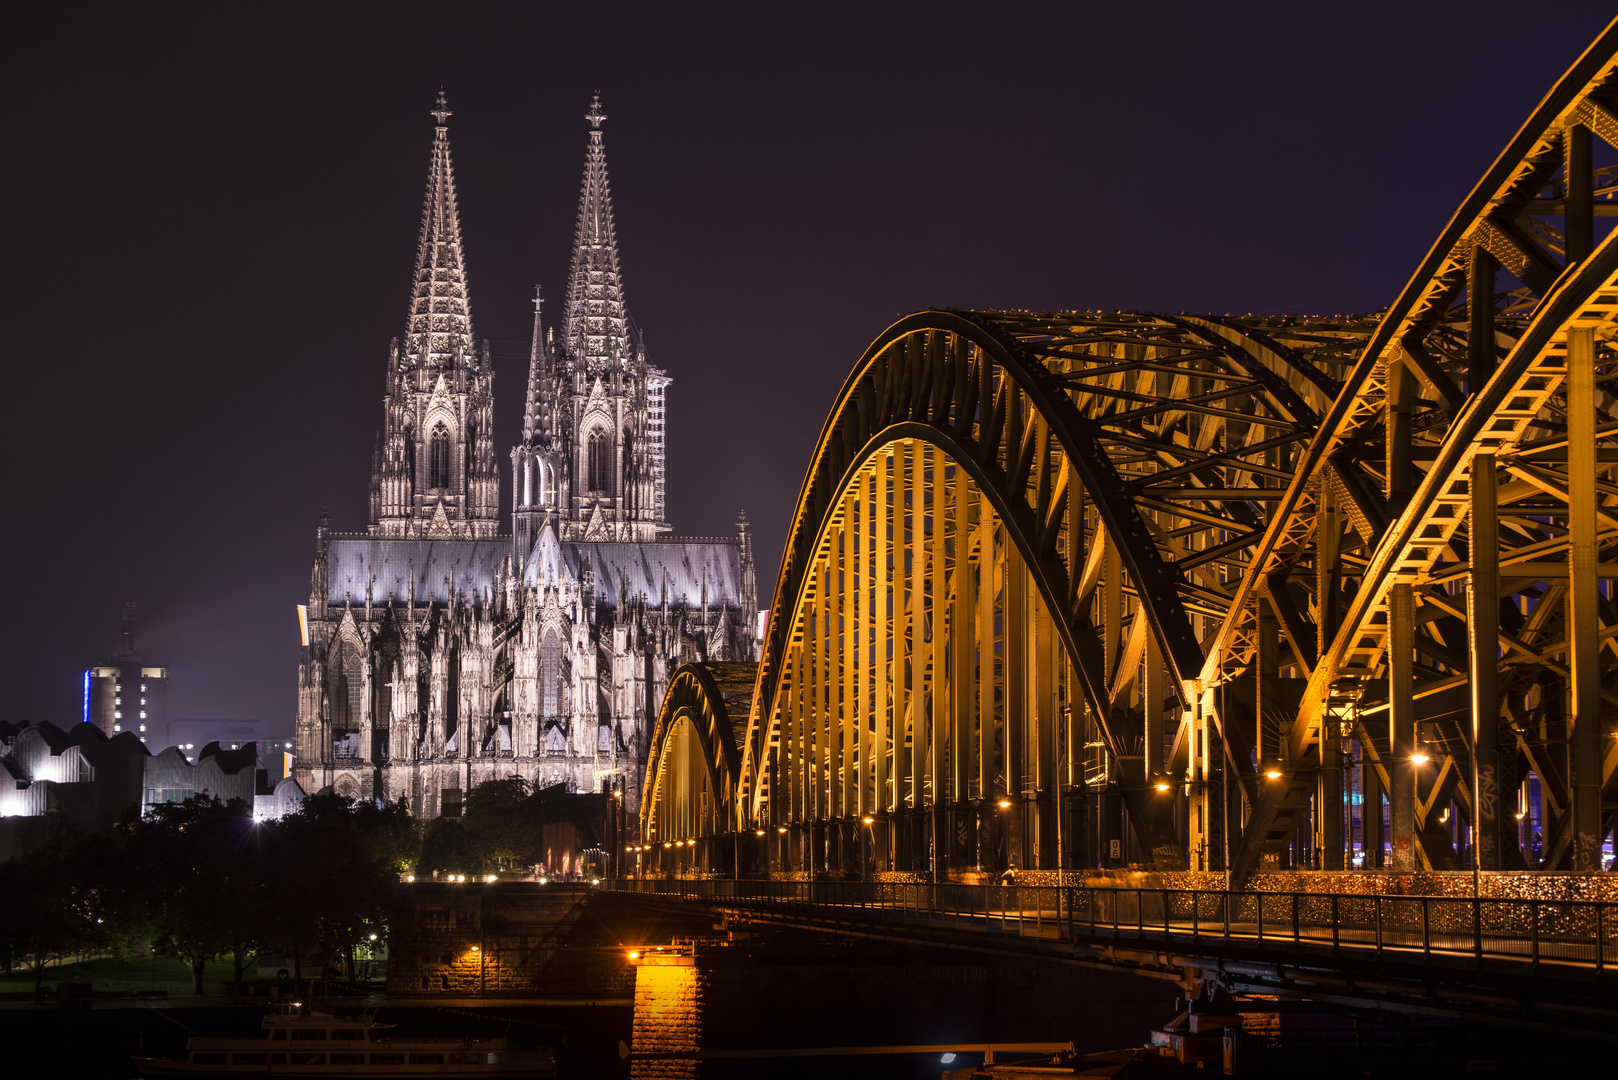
point(1419, 758)
point(1273, 774)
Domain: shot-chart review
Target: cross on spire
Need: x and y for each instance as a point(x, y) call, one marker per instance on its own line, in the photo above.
point(441, 108)
point(595, 115)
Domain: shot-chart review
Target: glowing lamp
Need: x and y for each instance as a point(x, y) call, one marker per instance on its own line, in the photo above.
point(1273, 774)
point(1161, 785)
point(477, 948)
point(782, 829)
point(1420, 758)
point(759, 832)
point(667, 844)
point(1005, 804)
point(867, 819)
point(411, 878)
point(633, 955)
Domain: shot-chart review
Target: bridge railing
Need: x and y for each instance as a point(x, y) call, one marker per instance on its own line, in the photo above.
point(1442, 928)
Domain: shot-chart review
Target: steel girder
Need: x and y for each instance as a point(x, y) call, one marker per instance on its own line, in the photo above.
point(1133, 460)
point(1283, 505)
point(1390, 467)
point(694, 697)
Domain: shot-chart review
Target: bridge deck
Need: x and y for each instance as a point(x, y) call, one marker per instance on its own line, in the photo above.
point(1533, 961)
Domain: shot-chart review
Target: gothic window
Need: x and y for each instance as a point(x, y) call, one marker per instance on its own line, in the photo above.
point(410, 459)
point(466, 458)
point(600, 463)
point(438, 459)
point(350, 685)
point(550, 674)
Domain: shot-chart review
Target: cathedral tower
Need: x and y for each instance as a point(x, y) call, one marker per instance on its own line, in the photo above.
point(433, 472)
point(599, 384)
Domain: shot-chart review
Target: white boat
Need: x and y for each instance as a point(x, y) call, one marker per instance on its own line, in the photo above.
point(306, 1040)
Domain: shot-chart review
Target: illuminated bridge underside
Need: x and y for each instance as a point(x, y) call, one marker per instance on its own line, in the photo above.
point(1068, 590)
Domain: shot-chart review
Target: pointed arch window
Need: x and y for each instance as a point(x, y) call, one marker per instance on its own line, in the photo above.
point(550, 675)
point(599, 462)
point(438, 458)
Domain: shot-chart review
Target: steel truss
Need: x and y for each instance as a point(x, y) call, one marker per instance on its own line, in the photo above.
point(1206, 567)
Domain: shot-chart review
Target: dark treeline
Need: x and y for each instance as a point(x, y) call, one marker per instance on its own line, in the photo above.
point(200, 880)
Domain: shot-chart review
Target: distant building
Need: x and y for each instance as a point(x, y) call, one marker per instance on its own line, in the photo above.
point(193, 734)
point(93, 781)
point(123, 693)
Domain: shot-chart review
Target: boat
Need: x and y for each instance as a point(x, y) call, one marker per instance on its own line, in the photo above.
point(308, 1039)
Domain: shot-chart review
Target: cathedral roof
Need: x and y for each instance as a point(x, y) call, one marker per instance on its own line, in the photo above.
point(597, 321)
point(645, 569)
point(440, 308)
point(471, 564)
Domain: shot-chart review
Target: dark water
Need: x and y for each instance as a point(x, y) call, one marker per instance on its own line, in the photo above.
point(99, 1043)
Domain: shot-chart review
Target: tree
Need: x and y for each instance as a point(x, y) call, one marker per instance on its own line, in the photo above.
point(448, 845)
point(502, 820)
point(48, 900)
point(202, 880)
point(335, 873)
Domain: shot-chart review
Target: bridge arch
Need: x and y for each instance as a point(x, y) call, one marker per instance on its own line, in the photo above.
point(1218, 577)
point(694, 758)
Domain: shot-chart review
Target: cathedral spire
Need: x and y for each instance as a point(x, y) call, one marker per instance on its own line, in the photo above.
point(533, 407)
point(440, 311)
point(596, 324)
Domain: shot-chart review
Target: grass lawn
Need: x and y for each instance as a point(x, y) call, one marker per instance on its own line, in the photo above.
point(125, 974)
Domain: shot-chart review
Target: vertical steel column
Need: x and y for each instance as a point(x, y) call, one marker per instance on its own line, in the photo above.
point(1267, 705)
point(1480, 344)
point(1580, 221)
point(1396, 421)
point(1040, 778)
point(1584, 642)
point(1152, 693)
point(940, 711)
point(882, 637)
point(983, 619)
point(853, 654)
point(1014, 697)
point(961, 644)
point(1483, 661)
point(1402, 725)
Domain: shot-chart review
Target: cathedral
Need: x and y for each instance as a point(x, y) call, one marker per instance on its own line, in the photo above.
point(440, 651)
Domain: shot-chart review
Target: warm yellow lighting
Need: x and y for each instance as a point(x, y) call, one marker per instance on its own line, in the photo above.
point(489, 878)
point(1521, 815)
point(1005, 804)
point(759, 832)
point(667, 844)
point(544, 881)
point(1162, 785)
point(410, 878)
point(867, 819)
point(477, 948)
point(1273, 774)
point(1419, 758)
point(633, 955)
point(781, 829)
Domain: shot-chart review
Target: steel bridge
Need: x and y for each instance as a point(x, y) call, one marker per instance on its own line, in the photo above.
point(1247, 600)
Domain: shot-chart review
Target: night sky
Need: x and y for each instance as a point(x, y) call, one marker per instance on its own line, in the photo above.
point(213, 220)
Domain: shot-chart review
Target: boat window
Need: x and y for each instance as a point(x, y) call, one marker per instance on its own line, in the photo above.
point(495, 1057)
point(278, 1059)
point(279, 1033)
point(469, 1059)
point(351, 1034)
point(426, 1059)
point(387, 1059)
point(207, 1059)
point(306, 1059)
point(249, 1059)
point(348, 1059)
point(308, 1034)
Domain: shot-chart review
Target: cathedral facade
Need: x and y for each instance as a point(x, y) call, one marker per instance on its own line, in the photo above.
point(439, 652)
